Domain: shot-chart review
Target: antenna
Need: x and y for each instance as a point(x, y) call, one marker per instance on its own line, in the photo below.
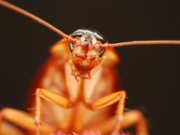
point(151, 42)
point(37, 19)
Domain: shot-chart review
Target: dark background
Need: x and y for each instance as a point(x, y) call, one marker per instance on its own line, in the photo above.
point(149, 74)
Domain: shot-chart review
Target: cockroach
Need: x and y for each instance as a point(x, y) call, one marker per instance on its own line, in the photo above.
point(74, 88)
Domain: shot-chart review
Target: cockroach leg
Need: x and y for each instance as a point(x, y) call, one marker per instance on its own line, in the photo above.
point(109, 100)
point(133, 117)
point(8, 129)
point(121, 119)
point(23, 120)
point(50, 97)
point(119, 113)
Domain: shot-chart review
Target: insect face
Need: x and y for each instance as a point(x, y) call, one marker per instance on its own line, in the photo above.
point(86, 51)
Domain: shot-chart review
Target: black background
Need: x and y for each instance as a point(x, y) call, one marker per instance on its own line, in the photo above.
point(149, 74)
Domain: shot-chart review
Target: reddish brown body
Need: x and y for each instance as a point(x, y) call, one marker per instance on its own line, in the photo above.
point(76, 90)
point(52, 76)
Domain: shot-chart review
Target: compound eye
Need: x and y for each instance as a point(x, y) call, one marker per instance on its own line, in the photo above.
point(71, 46)
point(101, 52)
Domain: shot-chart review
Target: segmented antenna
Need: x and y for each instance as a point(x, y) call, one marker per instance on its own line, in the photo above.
point(151, 42)
point(35, 18)
point(46, 24)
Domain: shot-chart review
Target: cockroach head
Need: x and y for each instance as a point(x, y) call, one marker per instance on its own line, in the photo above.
point(86, 51)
